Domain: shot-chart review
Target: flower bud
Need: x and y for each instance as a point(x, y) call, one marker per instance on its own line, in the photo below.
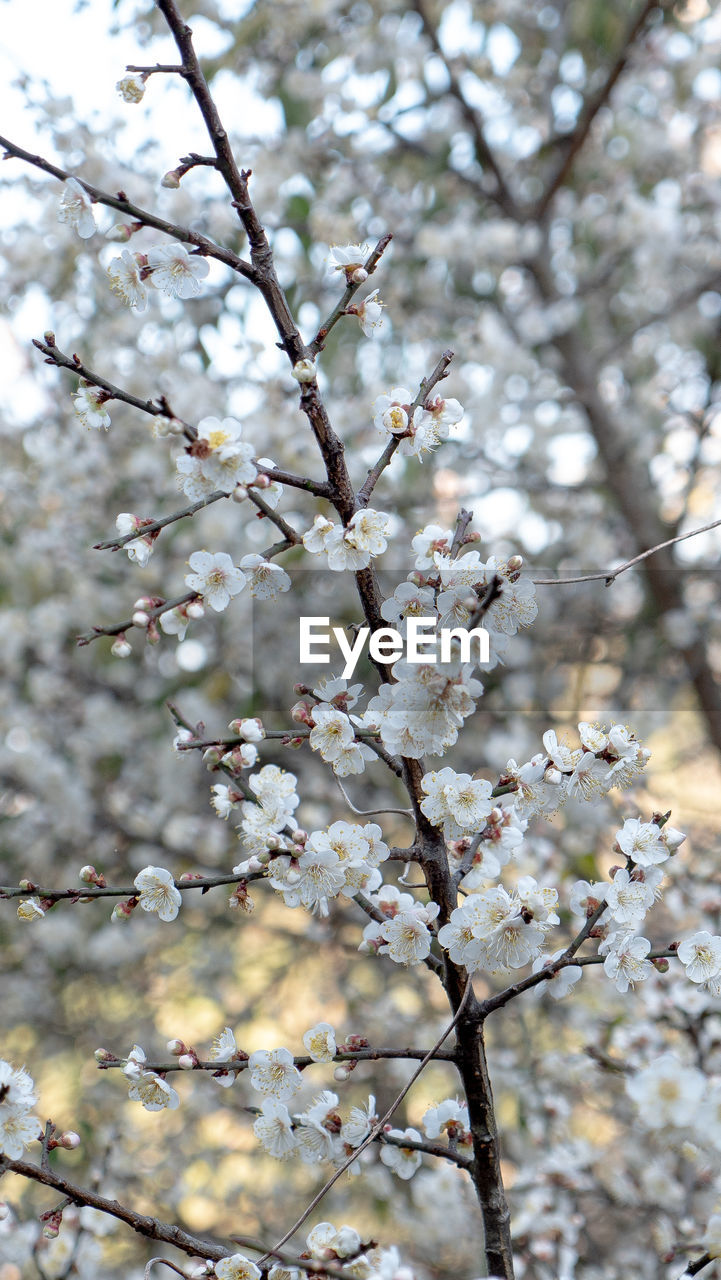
point(176, 1047)
point(70, 1140)
point(87, 875)
point(176, 427)
point(121, 231)
point(359, 276)
point(240, 493)
point(27, 885)
point(661, 964)
point(140, 618)
point(123, 910)
point(187, 1061)
point(171, 179)
point(300, 712)
point(195, 610)
point(120, 647)
point(104, 1055)
point(153, 636)
point(212, 758)
point(514, 566)
point(341, 1074)
point(304, 371)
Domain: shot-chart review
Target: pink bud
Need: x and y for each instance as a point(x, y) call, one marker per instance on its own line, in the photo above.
point(176, 1047)
point(69, 1140)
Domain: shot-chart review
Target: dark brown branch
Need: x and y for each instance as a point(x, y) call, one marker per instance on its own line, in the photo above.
point(117, 543)
point(55, 356)
point(203, 883)
point(428, 1148)
point(151, 1228)
point(123, 205)
point(302, 1060)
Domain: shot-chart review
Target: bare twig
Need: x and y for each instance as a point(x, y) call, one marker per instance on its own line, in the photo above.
point(117, 627)
point(377, 1128)
point(609, 575)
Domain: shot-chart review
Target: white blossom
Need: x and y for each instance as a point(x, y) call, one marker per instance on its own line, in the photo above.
point(273, 1072)
point(89, 402)
point(402, 1161)
point(76, 209)
point(701, 956)
point(131, 87)
point(320, 1042)
point(274, 1129)
point(158, 893)
point(126, 280)
point(215, 578)
point(266, 580)
point(175, 271)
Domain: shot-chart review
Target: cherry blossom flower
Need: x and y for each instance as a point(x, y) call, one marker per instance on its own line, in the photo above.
point(273, 1072)
point(449, 1118)
point(29, 910)
point(154, 1092)
point(215, 578)
point(158, 892)
point(347, 257)
point(315, 539)
point(76, 209)
point(174, 622)
point(88, 402)
point(332, 732)
point(558, 984)
point(430, 542)
point(369, 313)
point(175, 271)
point(320, 1042)
point(626, 961)
point(126, 281)
point(237, 1267)
point(701, 956)
point(402, 1161)
point(407, 939)
point(628, 898)
point(18, 1128)
point(390, 412)
point(641, 841)
point(457, 801)
point(140, 549)
point(667, 1092)
point(359, 1123)
point(274, 1129)
point(344, 1242)
point(266, 580)
point(131, 87)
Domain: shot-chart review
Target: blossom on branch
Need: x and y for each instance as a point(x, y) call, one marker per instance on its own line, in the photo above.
point(215, 578)
point(76, 209)
point(88, 402)
point(175, 271)
point(126, 280)
point(158, 892)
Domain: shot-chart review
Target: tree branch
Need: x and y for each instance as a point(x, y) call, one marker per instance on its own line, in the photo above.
point(123, 205)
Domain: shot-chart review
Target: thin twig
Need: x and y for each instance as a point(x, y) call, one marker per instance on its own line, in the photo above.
point(156, 408)
point(339, 310)
point(377, 1128)
point(609, 575)
point(117, 627)
point(117, 543)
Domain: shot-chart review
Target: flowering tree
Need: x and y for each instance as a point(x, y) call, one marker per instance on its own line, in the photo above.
point(520, 1151)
